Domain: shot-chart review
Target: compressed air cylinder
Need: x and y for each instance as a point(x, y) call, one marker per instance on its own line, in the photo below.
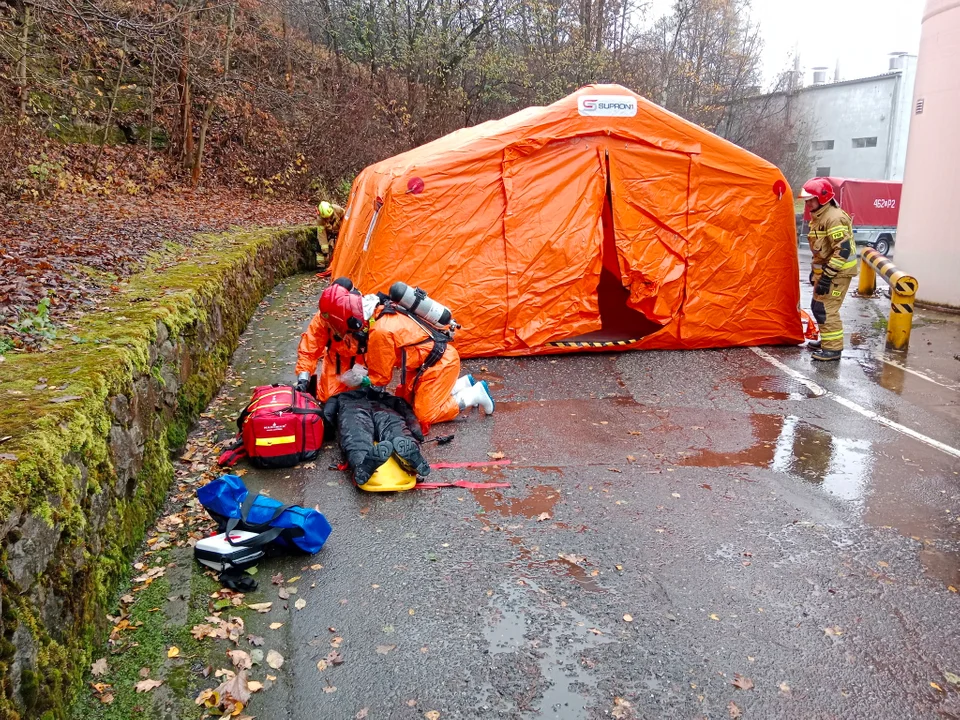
point(416, 301)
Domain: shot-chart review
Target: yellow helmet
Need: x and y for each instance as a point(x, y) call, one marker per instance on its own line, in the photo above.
point(390, 477)
point(325, 209)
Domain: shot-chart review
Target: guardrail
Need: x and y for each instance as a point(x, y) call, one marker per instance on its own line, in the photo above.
point(903, 292)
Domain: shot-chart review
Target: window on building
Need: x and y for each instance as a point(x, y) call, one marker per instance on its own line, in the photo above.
point(823, 172)
point(792, 147)
point(865, 142)
point(823, 144)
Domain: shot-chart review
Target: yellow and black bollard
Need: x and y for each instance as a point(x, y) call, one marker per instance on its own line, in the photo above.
point(903, 291)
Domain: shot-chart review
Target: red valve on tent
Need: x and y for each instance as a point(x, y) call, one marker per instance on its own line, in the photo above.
point(415, 185)
point(779, 189)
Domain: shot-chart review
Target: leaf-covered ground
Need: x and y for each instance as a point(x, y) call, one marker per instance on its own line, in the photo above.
point(76, 250)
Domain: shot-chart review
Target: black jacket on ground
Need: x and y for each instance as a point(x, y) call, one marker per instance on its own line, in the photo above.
point(369, 415)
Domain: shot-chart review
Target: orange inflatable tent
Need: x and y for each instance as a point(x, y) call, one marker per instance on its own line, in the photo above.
point(600, 221)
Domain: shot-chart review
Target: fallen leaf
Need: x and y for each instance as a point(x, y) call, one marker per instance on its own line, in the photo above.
point(834, 631)
point(254, 686)
point(595, 631)
point(106, 698)
point(240, 659)
point(316, 566)
point(411, 611)
point(628, 618)
point(144, 672)
point(263, 607)
point(321, 665)
point(676, 495)
point(714, 616)
point(411, 702)
point(543, 516)
point(334, 658)
point(293, 579)
point(432, 715)
point(492, 456)
point(277, 579)
point(276, 626)
point(99, 667)
point(173, 652)
point(883, 564)
point(951, 588)
point(256, 655)
point(274, 659)
point(283, 594)
point(631, 458)
point(336, 642)
point(147, 685)
point(300, 604)
point(785, 689)
point(936, 687)
point(634, 432)
point(384, 649)
point(951, 678)
point(621, 708)
point(361, 714)
point(234, 691)
point(734, 710)
point(255, 640)
point(741, 682)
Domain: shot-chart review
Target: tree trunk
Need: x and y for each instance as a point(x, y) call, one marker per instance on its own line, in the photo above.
point(22, 61)
point(186, 105)
point(212, 100)
point(153, 98)
point(113, 104)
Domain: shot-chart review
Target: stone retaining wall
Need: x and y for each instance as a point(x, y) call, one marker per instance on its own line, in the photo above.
point(93, 423)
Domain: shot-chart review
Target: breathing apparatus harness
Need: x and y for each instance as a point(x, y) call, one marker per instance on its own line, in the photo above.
point(438, 336)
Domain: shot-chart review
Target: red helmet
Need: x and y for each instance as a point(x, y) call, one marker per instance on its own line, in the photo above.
point(342, 309)
point(819, 188)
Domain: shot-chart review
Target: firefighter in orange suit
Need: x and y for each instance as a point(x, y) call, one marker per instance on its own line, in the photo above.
point(429, 368)
point(335, 355)
point(834, 264)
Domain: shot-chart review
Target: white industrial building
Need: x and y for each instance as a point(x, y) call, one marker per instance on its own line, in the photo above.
point(852, 128)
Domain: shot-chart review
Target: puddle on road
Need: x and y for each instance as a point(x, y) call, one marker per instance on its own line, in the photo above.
point(541, 499)
point(777, 387)
point(944, 566)
point(570, 686)
point(841, 466)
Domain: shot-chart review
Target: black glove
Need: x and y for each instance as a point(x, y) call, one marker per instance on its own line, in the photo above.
point(823, 285)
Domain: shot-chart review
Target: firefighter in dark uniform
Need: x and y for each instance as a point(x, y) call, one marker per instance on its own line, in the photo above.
point(834, 264)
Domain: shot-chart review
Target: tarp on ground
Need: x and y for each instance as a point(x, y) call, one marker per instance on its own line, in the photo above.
point(597, 220)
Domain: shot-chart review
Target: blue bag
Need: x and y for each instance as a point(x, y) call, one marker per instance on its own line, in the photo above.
point(288, 527)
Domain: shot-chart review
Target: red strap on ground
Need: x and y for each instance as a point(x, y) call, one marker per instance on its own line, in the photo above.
point(445, 466)
point(461, 484)
point(324, 274)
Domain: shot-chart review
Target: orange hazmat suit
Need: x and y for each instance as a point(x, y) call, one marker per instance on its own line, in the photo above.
point(396, 340)
point(319, 345)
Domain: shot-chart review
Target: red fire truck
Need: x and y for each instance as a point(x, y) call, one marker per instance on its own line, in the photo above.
point(874, 206)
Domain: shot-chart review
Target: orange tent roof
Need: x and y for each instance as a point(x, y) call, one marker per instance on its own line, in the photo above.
point(601, 220)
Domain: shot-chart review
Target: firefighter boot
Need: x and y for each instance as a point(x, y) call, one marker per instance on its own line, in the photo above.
point(376, 457)
point(463, 383)
point(827, 355)
point(476, 396)
point(408, 453)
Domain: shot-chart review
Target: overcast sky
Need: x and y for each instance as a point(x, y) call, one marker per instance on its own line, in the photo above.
point(858, 33)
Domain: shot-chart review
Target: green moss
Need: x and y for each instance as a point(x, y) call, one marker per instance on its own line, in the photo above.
point(112, 348)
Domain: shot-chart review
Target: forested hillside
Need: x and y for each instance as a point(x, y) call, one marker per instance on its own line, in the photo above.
point(291, 98)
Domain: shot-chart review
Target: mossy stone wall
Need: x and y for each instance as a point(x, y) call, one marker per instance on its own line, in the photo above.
point(93, 423)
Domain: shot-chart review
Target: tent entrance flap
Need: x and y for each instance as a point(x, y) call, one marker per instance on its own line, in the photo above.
point(552, 236)
point(620, 323)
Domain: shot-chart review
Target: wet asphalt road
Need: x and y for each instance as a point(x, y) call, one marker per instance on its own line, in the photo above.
point(747, 526)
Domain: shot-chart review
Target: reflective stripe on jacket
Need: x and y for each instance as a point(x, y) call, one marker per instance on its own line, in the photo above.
point(832, 243)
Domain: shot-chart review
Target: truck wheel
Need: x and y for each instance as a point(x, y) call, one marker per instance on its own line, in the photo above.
point(882, 245)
